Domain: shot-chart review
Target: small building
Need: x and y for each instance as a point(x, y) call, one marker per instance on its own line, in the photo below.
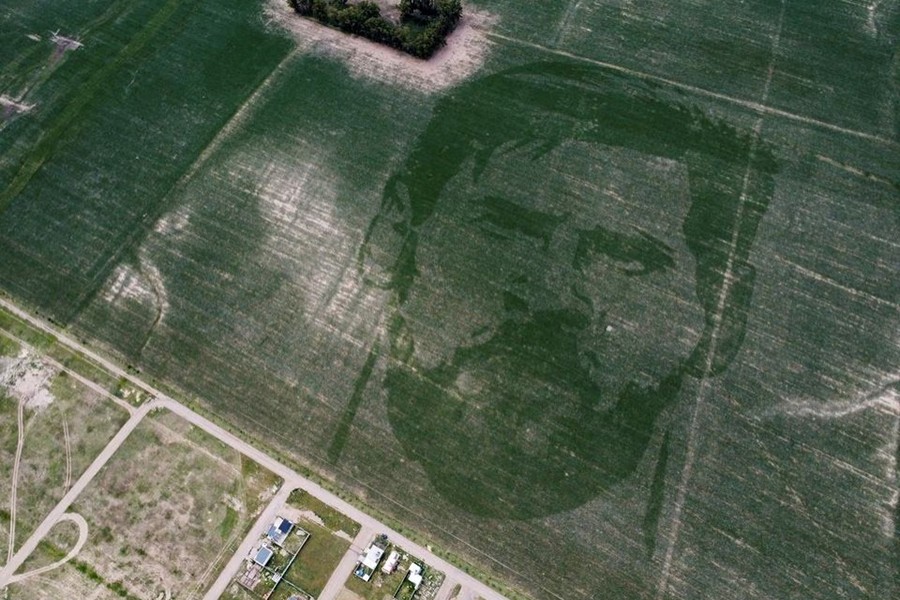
point(390, 565)
point(415, 575)
point(368, 562)
point(263, 556)
point(279, 531)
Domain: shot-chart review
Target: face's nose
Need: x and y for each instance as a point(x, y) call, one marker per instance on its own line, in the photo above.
point(550, 281)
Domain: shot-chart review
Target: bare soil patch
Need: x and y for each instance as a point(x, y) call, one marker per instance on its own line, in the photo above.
point(466, 50)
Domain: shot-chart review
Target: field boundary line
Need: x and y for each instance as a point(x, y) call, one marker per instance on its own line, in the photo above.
point(727, 279)
point(236, 119)
point(758, 107)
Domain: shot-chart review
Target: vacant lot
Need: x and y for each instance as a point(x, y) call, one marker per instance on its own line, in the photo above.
point(66, 425)
point(614, 316)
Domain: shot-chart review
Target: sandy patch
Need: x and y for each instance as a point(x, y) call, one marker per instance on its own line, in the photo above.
point(465, 52)
point(144, 285)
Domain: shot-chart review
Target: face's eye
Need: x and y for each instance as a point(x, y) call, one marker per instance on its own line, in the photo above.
point(636, 253)
point(502, 215)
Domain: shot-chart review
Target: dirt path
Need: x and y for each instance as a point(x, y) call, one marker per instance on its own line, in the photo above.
point(68, 444)
point(291, 478)
point(14, 480)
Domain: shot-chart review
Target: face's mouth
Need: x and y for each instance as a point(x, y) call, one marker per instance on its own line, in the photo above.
point(519, 418)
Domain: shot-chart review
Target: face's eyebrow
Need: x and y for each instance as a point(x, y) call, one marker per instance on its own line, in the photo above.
point(510, 216)
point(637, 252)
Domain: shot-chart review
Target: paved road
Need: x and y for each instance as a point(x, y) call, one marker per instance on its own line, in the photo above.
point(292, 478)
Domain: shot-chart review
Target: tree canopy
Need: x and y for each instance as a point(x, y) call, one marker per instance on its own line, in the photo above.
point(423, 28)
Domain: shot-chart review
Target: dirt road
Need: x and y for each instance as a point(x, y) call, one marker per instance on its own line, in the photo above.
point(292, 479)
point(14, 486)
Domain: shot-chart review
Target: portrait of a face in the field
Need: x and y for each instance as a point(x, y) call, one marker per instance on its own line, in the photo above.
point(556, 243)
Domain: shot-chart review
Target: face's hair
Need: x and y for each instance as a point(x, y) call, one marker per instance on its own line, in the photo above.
point(547, 104)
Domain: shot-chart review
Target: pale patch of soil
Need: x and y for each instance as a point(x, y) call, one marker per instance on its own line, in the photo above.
point(9, 108)
point(465, 52)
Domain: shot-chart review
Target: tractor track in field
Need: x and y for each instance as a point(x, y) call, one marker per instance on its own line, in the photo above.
point(727, 280)
point(761, 107)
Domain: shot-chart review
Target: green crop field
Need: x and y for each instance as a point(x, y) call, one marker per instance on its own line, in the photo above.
point(613, 312)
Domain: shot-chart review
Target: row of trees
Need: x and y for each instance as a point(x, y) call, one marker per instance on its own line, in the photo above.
point(423, 28)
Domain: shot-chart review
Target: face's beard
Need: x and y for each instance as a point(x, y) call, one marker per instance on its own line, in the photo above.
point(516, 426)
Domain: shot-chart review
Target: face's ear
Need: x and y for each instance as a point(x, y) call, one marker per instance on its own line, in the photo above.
point(727, 206)
point(389, 241)
point(724, 332)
